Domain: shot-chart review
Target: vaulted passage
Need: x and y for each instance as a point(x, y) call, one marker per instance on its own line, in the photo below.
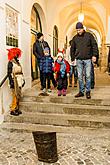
point(82, 125)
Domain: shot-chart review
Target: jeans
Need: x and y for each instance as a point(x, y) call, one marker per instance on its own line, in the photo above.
point(92, 76)
point(84, 68)
point(73, 70)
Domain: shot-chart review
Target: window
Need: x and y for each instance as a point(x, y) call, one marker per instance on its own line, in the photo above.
point(11, 27)
point(35, 20)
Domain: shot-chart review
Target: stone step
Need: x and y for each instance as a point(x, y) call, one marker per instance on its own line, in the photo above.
point(61, 120)
point(66, 100)
point(80, 101)
point(28, 127)
point(35, 107)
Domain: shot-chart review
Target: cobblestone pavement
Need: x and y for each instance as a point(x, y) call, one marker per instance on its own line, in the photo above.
point(81, 147)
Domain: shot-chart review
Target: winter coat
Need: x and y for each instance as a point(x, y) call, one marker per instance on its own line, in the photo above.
point(58, 66)
point(46, 64)
point(84, 47)
point(38, 48)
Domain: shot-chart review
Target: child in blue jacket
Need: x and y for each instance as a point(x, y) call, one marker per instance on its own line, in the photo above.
point(46, 66)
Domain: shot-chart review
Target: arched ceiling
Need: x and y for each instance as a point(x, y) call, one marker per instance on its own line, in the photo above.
point(72, 16)
point(92, 19)
point(95, 12)
point(62, 3)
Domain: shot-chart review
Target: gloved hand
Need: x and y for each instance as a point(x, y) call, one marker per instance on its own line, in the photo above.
point(68, 74)
point(54, 74)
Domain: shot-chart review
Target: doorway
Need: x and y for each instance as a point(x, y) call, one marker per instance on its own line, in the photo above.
point(35, 27)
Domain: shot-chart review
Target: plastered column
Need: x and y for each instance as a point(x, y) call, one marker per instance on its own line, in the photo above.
point(103, 55)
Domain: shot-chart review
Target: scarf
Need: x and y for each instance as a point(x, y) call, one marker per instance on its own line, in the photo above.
point(62, 67)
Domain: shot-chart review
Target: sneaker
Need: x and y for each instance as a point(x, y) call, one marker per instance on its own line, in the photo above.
point(49, 90)
point(43, 94)
point(59, 92)
point(80, 94)
point(44, 90)
point(88, 96)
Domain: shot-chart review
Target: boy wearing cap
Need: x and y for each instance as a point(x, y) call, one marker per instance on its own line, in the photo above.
point(46, 67)
point(85, 50)
point(62, 69)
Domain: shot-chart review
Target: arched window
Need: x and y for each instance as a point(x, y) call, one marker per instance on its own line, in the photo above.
point(35, 27)
point(55, 40)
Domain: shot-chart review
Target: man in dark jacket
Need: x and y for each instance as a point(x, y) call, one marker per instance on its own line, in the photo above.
point(85, 50)
point(38, 51)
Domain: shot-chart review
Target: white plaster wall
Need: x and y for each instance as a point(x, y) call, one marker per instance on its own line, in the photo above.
point(24, 8)
point(4, 91)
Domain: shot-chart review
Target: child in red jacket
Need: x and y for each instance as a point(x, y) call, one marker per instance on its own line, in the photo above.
point(62, 69)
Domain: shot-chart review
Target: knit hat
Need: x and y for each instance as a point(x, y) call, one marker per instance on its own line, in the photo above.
point(60, 55)
point(46, 48)
point(79, 25)
point(39, 35)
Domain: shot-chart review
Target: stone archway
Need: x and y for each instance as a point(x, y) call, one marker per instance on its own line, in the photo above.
point(38, 23)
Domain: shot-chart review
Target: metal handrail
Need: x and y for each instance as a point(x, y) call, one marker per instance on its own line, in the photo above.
point(3, 81)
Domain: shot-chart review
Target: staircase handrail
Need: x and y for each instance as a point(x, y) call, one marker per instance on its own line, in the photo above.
point(3, 81)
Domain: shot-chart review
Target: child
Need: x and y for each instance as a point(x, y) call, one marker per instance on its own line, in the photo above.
point(62, 69)
point(46, 69)
point(16, 79)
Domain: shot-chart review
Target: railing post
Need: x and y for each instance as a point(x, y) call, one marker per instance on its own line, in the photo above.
point(1, 107)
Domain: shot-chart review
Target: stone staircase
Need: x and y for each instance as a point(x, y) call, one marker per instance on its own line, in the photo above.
point(61, 113)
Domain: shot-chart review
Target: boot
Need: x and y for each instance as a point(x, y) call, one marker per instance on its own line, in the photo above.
point(19, 111)
point(80, 94)
point(88, 95)
point(59, 92)
point(15, 113)
point(64, 92)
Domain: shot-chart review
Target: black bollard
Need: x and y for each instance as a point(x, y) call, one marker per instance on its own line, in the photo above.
point(46, 146)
